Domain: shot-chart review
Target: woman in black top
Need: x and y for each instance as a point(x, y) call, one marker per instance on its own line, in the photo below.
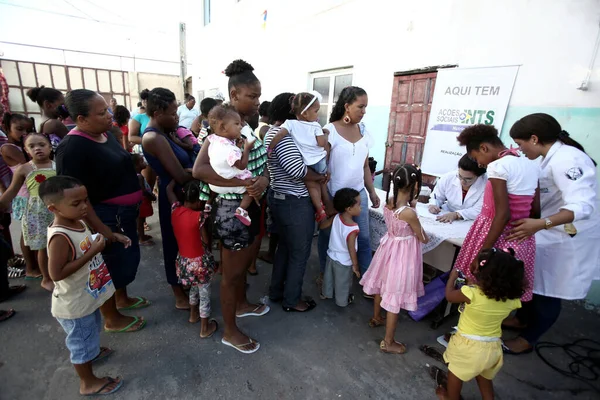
point(97, 159)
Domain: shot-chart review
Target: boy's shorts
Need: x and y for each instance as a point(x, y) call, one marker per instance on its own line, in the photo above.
point(83, 337)
point(469, 358)
point(320, 167)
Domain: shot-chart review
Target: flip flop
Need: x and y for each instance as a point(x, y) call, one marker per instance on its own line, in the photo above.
point(213, 332)
point(374, 323)
point(255, 313)
point(104, 352)
point(34, 278)
point(13, 291)
point(239, 347)
point(433, 353)
point(6, 314)
point(384, 349)
point(506, 350)
point(126, 329)
point(140, 303)
point(110, 382)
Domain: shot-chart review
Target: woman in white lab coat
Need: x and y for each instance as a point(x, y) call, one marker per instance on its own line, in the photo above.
point(459, 192)
point(567, 235)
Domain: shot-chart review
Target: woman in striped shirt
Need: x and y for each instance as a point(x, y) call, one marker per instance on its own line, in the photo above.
point(238, 241)
point(292, 212)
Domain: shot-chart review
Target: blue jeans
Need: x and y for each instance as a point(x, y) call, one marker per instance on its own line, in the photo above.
point(83, 336)
point(539, 314)
point(295, 225)
point(122, 262)
point(364, 238)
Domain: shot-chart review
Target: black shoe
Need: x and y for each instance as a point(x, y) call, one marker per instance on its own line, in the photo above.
point(311, 305)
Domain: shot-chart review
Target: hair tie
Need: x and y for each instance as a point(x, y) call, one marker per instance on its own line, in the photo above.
point(563, 134)
point(413, 175)
point(482, 263)
point(316, 96)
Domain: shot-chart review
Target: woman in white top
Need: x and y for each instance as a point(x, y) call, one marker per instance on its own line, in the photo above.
point(567, 235)
point(349, 166)
point(459, 192)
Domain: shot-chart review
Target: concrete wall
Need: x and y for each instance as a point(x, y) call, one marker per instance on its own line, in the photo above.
point(552, 41)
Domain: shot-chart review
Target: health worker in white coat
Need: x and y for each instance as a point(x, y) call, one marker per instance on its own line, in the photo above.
point(459, 192)
point(567, 257)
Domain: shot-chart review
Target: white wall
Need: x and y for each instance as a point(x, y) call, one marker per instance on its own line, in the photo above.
point(551, 40)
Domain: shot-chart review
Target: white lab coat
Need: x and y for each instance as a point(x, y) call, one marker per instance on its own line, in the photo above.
point(566, 266)
point(447, 194)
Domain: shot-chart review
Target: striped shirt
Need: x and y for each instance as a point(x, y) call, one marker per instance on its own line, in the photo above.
point(257, 160)
point(285, 165)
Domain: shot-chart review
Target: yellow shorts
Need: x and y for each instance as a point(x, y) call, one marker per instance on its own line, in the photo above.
point(468, 358)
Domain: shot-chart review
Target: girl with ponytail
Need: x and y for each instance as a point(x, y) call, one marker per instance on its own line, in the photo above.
point(396, 272)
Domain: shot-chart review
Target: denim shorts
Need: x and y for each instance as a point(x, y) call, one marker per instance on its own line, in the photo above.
point(320, 167)
point(233, 234)
point(83, 337)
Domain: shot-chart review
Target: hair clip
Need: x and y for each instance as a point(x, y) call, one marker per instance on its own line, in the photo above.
point(413, 175)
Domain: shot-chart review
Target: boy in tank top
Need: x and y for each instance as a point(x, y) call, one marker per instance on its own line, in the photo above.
point(82, 281)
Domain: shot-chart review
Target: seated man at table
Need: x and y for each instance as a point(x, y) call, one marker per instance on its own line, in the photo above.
point(459, 192)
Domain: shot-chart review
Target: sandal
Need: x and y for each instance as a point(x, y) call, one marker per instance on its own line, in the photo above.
point(213, 332)
point(374, 322)
point(309, 302)
point(439, 376)
point(240, 347)
point(140, 303)
point(433, 353)
point(384, 349)
point(14, 272)
point(16, 261)
point(110, 382)
point(129, 328)
point(243, 216)
point(255, 312)
point(6, 314)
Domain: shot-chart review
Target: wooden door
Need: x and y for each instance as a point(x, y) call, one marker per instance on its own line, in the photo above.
point(409, 114)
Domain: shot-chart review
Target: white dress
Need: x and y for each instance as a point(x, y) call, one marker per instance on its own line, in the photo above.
point(565, 266)
point(447, 194)
point(223, 154)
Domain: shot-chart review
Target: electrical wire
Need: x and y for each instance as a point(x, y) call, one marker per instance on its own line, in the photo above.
point(81, 11)
point(585, 360)
point(106, 10)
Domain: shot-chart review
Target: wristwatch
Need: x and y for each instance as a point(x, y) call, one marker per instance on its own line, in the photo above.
point(548, 223)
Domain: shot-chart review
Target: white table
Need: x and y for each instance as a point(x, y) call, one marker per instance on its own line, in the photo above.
point(444, 238)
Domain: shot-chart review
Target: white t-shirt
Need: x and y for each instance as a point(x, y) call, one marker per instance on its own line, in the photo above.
point(305, 136)
point(187, 116)
point(521, 174)
point(338, 245)
point(347, 160)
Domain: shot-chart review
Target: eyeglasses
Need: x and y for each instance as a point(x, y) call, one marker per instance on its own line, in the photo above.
point(465, 180)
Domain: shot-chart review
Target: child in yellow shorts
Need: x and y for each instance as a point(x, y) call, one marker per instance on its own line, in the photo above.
point(475, 351)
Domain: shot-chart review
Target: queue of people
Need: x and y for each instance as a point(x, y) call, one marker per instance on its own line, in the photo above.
point(532, 242)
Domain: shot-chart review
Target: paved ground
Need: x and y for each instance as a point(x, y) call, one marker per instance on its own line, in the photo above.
point(329, 353)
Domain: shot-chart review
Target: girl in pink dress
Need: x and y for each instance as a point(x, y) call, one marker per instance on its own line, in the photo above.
point(395, 275)
point(510, 194)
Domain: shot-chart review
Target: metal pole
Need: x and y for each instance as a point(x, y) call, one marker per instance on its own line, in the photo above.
point(182, 53)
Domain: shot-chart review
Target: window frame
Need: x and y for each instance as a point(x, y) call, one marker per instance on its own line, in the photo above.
point(206, 12)
point(331, 74)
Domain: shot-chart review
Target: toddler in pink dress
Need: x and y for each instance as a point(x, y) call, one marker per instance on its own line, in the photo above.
point(395, 275)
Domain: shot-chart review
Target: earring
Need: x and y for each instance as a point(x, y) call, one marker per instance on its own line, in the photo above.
point(347, 119)
point(535, 143)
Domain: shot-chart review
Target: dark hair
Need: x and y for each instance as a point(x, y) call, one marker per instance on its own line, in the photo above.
point(41, 94)
point(348, 96)
point(281, 108)
point(404, 177)
point(473, 136)
point(189, 97)
point(220, 113)
point(500, 276)
point(135, 158)
point(121, 115)
point(78, 102)
point(52, 189)
point(206, 105)
point(263, 110)
point(300, 101)
point(240, 73)
point(467, 164)
point(159, 99)
point(372, 164)
point(144, 94)
point(32, 120)
point(32, 134)
point(139, 103)
point(546, 128)
point(10, 118)
point(344, 198)
point(191, 191)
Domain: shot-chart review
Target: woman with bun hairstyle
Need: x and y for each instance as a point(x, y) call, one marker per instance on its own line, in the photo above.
point(52, 105)
point(567, 257)
point(238, 241)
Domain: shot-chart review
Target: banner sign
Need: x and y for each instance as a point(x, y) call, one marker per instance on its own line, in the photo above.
point(464, 97)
